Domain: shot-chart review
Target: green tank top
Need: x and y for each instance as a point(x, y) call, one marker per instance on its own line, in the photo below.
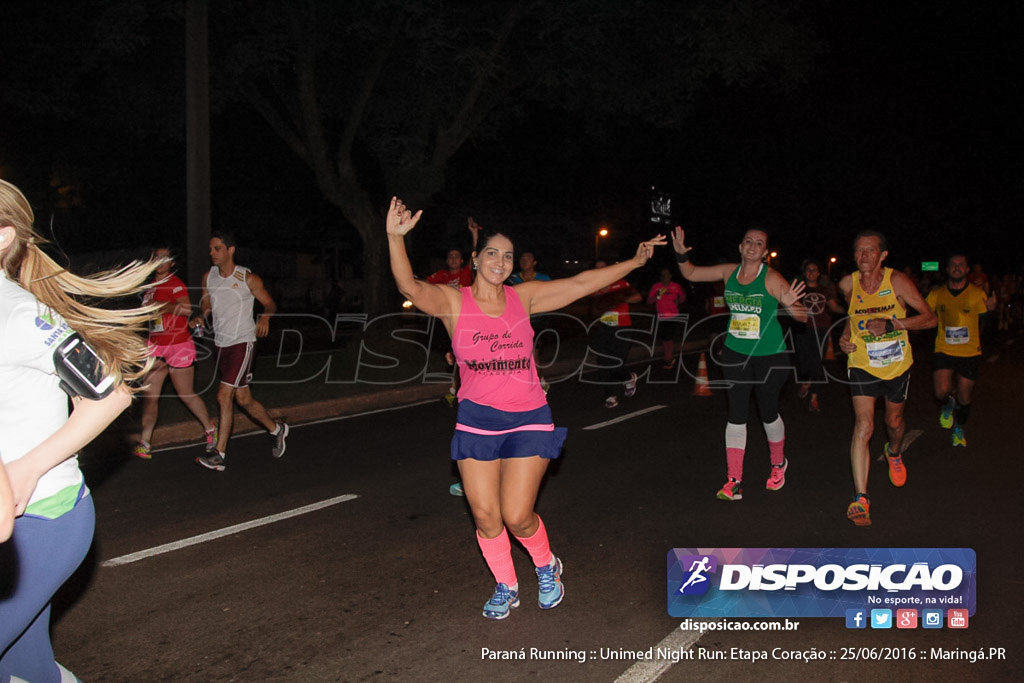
point(754, 329)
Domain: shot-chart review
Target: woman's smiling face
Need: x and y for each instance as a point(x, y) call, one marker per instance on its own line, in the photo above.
point(494, 262)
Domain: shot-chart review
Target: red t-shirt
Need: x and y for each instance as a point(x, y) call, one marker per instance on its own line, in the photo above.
point(170, 329)
point(460, 278)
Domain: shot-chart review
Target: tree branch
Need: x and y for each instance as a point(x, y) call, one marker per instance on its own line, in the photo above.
point(362, 100)
point(448, 140)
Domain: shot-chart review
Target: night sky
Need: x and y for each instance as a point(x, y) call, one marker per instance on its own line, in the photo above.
point(908, 122)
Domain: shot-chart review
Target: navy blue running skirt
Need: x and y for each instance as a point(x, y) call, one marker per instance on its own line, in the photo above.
point(484, 433)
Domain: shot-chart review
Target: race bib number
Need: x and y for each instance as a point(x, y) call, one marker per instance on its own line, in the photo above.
point(883, 353)
point(745, 326)
point(957, 335)
point(156, 325)
point(610, 318)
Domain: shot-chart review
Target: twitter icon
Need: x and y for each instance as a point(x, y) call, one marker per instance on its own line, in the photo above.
point(881, 618)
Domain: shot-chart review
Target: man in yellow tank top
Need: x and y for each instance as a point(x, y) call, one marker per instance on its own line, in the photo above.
point(958, 304)
point(879, 359)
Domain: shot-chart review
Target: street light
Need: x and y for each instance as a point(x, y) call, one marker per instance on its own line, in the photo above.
point(771, 257)
point(603, 232)
point(831, 262)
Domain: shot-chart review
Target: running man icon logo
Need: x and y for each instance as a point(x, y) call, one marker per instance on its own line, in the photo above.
point(695, 581)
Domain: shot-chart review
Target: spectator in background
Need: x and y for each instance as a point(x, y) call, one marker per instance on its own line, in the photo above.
point(528, 273)
point(979, 278)
point(611, 306)
point(458, 273)
point(1004, 298)
point(667, 295)
point(810, 338)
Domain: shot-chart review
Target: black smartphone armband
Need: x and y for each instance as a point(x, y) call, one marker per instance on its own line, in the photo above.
point(80, 370)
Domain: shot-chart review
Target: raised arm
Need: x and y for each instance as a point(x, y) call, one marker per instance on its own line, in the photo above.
point(474, 230)
point(788, 295)
point(437, 300)
point(540, 296)
point(697, 273)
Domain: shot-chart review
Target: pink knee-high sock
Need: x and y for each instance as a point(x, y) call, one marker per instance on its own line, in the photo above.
point(670, 349)
point(498, 555)
point(537, 545)
point(776, 449)
point(734, 458)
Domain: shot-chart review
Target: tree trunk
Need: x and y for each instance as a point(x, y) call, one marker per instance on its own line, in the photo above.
point(378, 287)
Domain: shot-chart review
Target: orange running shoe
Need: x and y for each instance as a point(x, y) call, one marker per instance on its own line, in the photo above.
point(897, 472)
point(859, 511)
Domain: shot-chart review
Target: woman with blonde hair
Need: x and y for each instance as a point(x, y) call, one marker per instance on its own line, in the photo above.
point(42, 309)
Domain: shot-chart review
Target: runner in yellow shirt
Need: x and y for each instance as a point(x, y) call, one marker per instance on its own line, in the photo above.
point(958, 305)
point(880, 357)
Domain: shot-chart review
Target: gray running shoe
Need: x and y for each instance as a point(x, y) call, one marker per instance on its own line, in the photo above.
point(279, 444)
point(212, 462)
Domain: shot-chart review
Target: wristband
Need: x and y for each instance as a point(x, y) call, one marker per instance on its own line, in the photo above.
point(682, 258)
point(889, 326)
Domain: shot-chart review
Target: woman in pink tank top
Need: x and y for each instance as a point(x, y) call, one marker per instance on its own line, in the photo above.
point(504, 436)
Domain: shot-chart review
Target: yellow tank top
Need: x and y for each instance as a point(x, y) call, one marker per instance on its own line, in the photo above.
point(889, 355)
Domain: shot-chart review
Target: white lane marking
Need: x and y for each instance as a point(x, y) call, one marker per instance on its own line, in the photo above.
point(304, 424)
point(647, 670)
point(623, 418)
point(226, 531)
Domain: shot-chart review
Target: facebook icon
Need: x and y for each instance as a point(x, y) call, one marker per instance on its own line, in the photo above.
point(856, 618)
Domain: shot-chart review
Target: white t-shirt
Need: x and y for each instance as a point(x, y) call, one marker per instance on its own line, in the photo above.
point(32, 404)
point(231, 303)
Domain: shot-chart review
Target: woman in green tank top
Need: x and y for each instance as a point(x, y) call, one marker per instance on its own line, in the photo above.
point(755, 356)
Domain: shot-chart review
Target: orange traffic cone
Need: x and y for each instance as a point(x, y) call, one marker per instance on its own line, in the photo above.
point(829, 353)
point(700, 385)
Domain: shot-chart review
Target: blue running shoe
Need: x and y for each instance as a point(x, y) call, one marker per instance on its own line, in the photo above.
point(550, 580)
point(501, 603)
point(958, 436)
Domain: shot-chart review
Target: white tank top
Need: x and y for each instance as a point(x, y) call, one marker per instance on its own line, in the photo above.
point(231, 303)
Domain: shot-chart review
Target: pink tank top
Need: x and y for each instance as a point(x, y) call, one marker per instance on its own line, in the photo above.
point(495, 356)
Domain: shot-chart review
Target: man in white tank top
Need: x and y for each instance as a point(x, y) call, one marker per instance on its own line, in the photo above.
point(229, 291)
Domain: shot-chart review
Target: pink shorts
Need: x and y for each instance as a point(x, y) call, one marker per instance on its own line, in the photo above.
point(180, 355)
point(234, 364)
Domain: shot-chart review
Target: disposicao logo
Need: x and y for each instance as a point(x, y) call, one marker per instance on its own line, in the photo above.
point(696, 580)
point(818, 582)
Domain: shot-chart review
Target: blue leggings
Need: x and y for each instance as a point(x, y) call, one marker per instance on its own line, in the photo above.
point(38, 559)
